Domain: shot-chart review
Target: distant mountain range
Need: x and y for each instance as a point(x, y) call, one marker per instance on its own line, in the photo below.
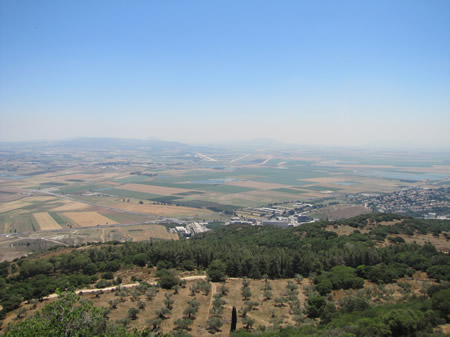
point(151, 144)
point(102, 144)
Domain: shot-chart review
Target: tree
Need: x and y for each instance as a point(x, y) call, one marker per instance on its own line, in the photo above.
point(150, 293)
point(113, 304)
point(190, 312)
point(254, 272)
point(280, 301)
point(402, 322)
point(216, 271)
point(67, 316)
point(168, 280)
point(194, 303)
point(163, 312)
point(183, 324)
point(251, 304)
point(315, 307)
point(233, 319)
point(168, 301)
point(248, 322)
point(132, 313)
point(154, 323)
point(140, 259)
point(141, 305)
point(216, 311)
point(298, 278)
point(246, 293)
point(214, 324)
point(441, 302)
point(223, 290)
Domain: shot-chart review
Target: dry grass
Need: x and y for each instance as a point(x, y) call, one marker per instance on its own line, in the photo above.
point(141, 233)
point(89, 219)
point(336, 212)
point(441, 243)
point(70, 206)
point(38, 198)
point(46, 222)
point(12, 205)
point(161, 190)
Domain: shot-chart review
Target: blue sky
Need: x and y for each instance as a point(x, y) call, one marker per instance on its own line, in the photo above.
point(358, 73)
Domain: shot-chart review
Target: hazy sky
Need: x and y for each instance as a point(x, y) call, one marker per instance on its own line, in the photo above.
point(311, 72)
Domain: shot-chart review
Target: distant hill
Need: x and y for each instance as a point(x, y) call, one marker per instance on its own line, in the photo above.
point(102, 144)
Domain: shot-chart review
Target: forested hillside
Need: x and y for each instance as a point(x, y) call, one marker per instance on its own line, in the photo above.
point(368, 259)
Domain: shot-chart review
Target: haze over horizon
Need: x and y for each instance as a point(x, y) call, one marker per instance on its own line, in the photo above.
point(345, 73)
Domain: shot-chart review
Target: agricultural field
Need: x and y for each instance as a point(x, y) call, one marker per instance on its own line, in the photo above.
point(51, 188)
point(89, 219)
point(164, 210)
point(46, 221)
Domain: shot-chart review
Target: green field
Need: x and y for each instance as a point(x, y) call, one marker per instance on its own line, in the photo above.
point(56, 216)
point(130, 194)
point(171, 183)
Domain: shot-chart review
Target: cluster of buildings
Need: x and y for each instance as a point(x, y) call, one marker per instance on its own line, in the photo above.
point(279, 221)
point(190, 229)
point(419, 202)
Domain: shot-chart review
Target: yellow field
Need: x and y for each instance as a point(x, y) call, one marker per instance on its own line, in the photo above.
point(12, 205)
point(88, 219)
point(161, 190)
point(163, 210)
point(70, 206)
point(46, 222)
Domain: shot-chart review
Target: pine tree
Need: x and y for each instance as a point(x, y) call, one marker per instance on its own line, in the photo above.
point(233, 319)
